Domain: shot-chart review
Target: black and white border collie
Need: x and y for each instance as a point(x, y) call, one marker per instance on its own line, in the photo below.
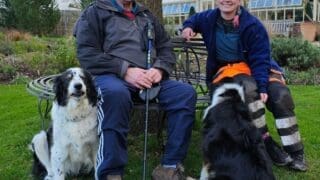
point(232, 147)
point(71, 147)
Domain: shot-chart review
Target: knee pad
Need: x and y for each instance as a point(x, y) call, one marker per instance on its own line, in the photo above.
point(250, 87)
point(280, 102)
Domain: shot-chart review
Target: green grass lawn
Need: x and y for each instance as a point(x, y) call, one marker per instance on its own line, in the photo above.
point(19, 121)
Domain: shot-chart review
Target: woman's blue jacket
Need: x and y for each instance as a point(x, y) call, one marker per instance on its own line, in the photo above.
point(254, 44)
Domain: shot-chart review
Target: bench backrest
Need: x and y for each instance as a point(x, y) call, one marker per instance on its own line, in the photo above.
point(190, 67)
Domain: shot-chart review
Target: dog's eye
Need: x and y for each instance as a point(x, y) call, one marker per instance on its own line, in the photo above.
point(69, 76)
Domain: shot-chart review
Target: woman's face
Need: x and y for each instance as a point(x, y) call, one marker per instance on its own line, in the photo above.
point(228, 6)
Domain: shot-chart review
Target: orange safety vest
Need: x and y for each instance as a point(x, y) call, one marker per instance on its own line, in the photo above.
point(231, 70)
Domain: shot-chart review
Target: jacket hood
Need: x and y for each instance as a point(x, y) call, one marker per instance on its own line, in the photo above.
point(244, 16)
point(112, 6)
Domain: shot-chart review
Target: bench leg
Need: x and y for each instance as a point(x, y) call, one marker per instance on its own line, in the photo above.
point(44, 108)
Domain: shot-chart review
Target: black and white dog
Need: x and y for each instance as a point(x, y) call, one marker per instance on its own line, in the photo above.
point(233, 148)
point(71, 147)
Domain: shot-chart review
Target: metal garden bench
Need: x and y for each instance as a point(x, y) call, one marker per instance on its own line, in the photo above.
point(190, 55)
point(42, 88)
point(191, 59)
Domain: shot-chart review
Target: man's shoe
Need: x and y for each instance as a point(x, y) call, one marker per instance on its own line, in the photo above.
point(114, 177)
point(298, 163)
point(278, 156)
point(163, 173)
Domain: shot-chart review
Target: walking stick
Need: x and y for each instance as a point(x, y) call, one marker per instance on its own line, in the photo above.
point(147, 91)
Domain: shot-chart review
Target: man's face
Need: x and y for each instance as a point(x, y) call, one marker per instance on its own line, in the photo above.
point(126, 1)
point(228, 6)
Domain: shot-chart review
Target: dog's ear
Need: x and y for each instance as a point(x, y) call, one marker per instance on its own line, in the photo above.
point(91, 89)
point(60, 90)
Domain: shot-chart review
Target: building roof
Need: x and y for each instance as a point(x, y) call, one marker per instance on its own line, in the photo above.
point(260, 4)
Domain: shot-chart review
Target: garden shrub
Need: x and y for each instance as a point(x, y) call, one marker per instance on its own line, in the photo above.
point(65, 54)
point(14, 35)
point(7, 69)
point(295, 53)
point(20, 79)
point(310, 77)
point(2, 36)
point(34, 44)
point(6, 48)
point(38, 56)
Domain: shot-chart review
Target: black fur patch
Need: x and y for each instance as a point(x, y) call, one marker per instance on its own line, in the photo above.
point(232, 145)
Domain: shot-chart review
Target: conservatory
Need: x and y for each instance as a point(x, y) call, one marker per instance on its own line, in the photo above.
point(176, 11)
point(287, 17)
point(280, 17)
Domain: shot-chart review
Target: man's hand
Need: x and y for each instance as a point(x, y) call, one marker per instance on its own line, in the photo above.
point(264, 97)
point(188, 33)
point(155, 74)
point(138, 77)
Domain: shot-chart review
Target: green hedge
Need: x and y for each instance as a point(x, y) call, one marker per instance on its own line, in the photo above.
point(295, 54)
point(32, 56)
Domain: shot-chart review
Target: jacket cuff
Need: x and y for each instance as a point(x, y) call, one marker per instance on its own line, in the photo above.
point(124, 68)
point(166, 69)
point(262, 88)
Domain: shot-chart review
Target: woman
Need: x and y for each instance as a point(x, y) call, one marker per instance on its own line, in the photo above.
point(238, 47)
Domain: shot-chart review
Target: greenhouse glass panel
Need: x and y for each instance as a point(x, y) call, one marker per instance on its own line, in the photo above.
point(260, 3)
point(253, 4)
point(187, 7)
point(268, 3)
point(174, 9)
point(287, 2)
point(279, 2)
point(296, 2)
point(165, 9)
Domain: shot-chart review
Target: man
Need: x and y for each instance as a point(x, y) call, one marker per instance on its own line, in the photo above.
point(238, 47)
point(112, 45)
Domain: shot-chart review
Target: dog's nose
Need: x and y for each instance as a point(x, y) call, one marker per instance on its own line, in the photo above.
point(78, 86)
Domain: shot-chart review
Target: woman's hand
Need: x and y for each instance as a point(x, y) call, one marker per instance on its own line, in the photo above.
point(264, 97)
point(188, 33)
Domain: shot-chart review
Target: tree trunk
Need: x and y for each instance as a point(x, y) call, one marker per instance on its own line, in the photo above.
point(155, 6)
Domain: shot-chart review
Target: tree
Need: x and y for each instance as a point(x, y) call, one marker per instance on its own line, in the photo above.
point(6, 14)
point(35, 16)
point(155, 6)
point(192, 11)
